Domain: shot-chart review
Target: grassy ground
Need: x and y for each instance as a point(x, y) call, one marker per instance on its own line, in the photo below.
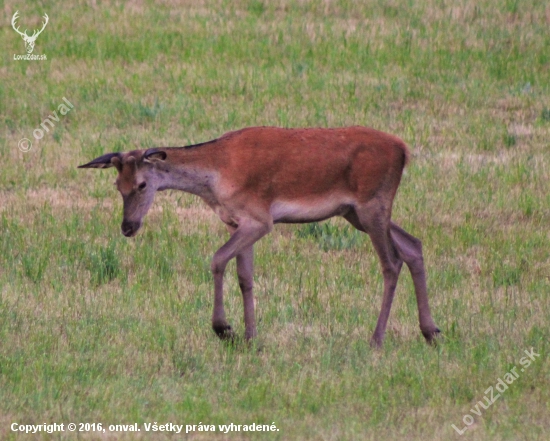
point(96, 328)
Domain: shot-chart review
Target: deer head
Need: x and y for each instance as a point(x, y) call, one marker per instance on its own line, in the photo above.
point(137, 181)
point(29, 39)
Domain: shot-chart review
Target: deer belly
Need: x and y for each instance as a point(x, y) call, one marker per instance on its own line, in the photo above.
point(311, 210)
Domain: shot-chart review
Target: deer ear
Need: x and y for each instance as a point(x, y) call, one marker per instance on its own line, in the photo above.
point(104, 161)
point(154, 155)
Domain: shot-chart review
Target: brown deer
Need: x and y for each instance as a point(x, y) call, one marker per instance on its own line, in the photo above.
point(259, 176)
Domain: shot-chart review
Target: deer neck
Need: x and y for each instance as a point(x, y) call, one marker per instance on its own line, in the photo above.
point(190, 172)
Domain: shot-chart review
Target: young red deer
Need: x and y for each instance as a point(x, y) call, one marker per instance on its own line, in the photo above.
point(256, 177)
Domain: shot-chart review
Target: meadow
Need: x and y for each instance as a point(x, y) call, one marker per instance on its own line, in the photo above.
point(98, 328)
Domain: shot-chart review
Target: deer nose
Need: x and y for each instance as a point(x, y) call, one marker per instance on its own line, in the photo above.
point(130, 228)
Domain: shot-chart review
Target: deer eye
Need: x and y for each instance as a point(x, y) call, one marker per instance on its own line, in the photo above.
point(142, 185)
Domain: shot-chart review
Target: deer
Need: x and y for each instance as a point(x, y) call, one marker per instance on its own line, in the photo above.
point(29, 39)
point(257, 177)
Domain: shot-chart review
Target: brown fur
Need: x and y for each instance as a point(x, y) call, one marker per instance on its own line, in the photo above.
point(255, 177)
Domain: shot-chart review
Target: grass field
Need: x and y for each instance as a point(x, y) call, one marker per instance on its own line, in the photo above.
point(97, 328)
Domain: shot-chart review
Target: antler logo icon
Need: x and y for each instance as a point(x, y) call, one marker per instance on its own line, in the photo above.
point(29, 39)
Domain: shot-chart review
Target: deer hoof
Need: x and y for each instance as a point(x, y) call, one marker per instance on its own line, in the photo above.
point(375, 343)
point(225, 332)
point(432, 337)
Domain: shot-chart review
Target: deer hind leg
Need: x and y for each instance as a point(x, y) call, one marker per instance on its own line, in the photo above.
point(240, 246)
point(410, 250)
point(374, 219)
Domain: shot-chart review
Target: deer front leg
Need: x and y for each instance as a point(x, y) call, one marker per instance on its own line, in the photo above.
point(240, 246)
point(245, 272)
point(219, 322)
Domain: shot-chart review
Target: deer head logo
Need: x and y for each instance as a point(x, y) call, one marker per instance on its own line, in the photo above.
point(29, 39)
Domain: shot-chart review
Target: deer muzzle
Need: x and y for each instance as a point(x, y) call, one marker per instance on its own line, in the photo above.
point(130, 228)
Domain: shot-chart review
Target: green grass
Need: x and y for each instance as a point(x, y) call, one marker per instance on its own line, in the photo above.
point(96, 328)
